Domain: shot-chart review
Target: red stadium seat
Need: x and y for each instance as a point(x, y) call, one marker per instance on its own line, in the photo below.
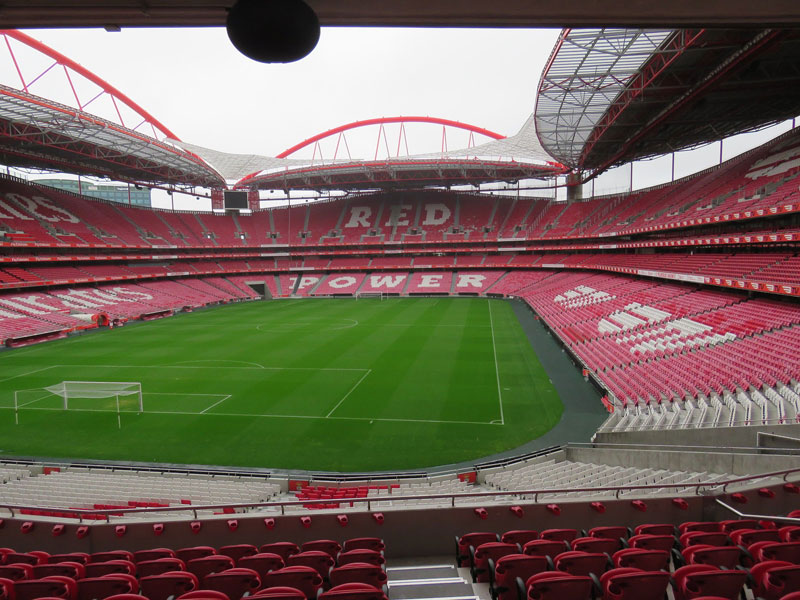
point(187, 554)
point(633, 584)
point(566, 535)
point(481, 555)
point(646, 541)
point(279, 593)
point(774, 578)
point(96, 557)
point(519, 536)
point(596, 544)
point(644, 560)
point(353, 591)
point(364, 543)
point(54, 586)
point(555, 585)
point(209, 564)
point(305, 579)
point(203, 595)
point(74, 570)
point(788, 551)
point(282, 549)
point(110, 567)
point(655, 529)
point(234, 583)
point(237, 551)
point(693, 581)
point(615, 532)
point(710, 538)
point(726, 557)
point(318, 560)
point(330, 547)
point(158, 566)
point(358, 573)
point(508, 568)
point(551, 548)
point(94, 588)
point(16, 571)
point(152, 554)
point(168, 585)
point(78, 557)
point(474, 539)
point(362, 556)
point(262, 562)
point(576, 562)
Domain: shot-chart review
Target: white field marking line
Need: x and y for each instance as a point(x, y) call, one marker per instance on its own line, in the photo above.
point(338, 404)
point(35, 400)
point(28, 373)
point(323, 325)
point(205, 410)
point(206, 367)
point(496, 367)
point(216, 360)
point(269, 416)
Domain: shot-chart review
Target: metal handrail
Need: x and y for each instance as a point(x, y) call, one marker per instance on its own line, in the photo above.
point(742, 515)
point(452, 497)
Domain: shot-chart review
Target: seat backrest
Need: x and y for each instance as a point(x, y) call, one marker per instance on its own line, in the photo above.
point(474, 539)
point(305, 579)
point(655, 529)
point(31, 589)
point(576, 562)
point(704, 580)
point(353, 591)
point(596, 544)
point(554, 585)
point(519, 536)
point(648, 541)
point(74, 570)
point(330, 547)
point(158, 566)
point(110, 555)
point(17, 571)
point(282, 549)
point(358, 573)
point(712, 538)
point(727, 557)
point(639, 558)
point(699, 526)
point(109, 567)
point(203, 595)
point(629, 584)
point(613, 532)
point(237, 551)
point(187, 554)
point(789, 551)
point(166, 585)
point(92, 588)
point(364, 543)
point(746, 537)
point(566, 535)
point(235, 583)
point(550, 548)
point(78, 557)
point(365, 556)
point(209, 564)
point(509, 568)
point(279, 593)
point(262, 562)
point(317, 559)
point(152, 554)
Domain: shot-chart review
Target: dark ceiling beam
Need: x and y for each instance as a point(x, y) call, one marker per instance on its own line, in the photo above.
point(425, 13)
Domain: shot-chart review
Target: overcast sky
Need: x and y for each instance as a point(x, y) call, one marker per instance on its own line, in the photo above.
point(200, 87)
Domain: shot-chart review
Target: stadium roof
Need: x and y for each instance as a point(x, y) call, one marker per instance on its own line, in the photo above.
point(443, 13)
point(610, 96)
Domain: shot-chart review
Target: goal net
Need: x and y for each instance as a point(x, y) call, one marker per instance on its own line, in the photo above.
point(128, 392)
point(111, 396)
point(380, 295)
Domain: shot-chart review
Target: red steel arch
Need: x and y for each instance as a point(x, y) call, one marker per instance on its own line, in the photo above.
point(71, 65)
point(384, 121)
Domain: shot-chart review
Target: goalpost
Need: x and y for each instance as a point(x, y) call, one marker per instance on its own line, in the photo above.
point(381, 295)
point(67, 390)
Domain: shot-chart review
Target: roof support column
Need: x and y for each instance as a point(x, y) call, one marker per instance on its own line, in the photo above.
point(574, 186)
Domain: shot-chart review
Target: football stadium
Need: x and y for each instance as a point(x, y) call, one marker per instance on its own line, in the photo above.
point(462, 374)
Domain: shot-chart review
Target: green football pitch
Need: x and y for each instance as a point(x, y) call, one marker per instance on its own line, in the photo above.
point(320, 384)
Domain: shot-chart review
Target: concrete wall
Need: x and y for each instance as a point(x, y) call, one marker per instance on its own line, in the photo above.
point(679, 459)
point(712, 436)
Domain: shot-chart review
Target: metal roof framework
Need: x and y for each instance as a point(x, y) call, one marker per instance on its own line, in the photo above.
point(399, 173)
point(43, 133)
point(606, 100)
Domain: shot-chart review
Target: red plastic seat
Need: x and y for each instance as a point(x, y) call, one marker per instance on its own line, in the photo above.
point(647, 541)
point(97, 557)
point(699, 526)
point(78, 557)
point(126, 597)
point(519, 536)
point(282, 549)
point(566, 535)
point(209, 564)
point(790, 533)
point(95, 588)
point(710, 538)
point(237, 551)
point(655, 529)
point(746, 537)
point(358, 573)
point(612, 532)
point(316, 559)
point(330, 547)
point(508, 568)
point(364, 543)
point(555, 585)
point(363, 556)
point(262, 562)
point(53, 586)
point(17, 571)
point(576, 562)
point(27, 558)
point(158, 566)
point(596, 544)
point(638, 558)
point(279, 593)
point(187, 554)
point(473, 539)
point(204, 595)
point(634, 584)
point(551, 548)
point(152, 554)
point(168, 585)
point(305, 579)
point(74, 570)
point(772, 579)
point(693, 581)
point(731, 525)
point(6, 589)
point(109, 567)
point(353, 591)
point(234, 583)
point(481, 555)
point(788, 551)
point(726, 557)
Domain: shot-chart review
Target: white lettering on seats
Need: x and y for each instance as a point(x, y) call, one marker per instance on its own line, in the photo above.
point(121, 290)
point(11, 212)
point(45, 203)
point(342, 282)
point(396, 213)
point(388, 281)
point(359, 216)
point(470, 280)
point(431, 216)
point(431, 281)
point(22, 307)
point(307, 281)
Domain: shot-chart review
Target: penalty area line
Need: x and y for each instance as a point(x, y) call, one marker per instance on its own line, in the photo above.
point(205, 410)
point(338, 404)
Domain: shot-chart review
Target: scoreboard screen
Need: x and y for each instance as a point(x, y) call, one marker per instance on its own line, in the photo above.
point(235, 200)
